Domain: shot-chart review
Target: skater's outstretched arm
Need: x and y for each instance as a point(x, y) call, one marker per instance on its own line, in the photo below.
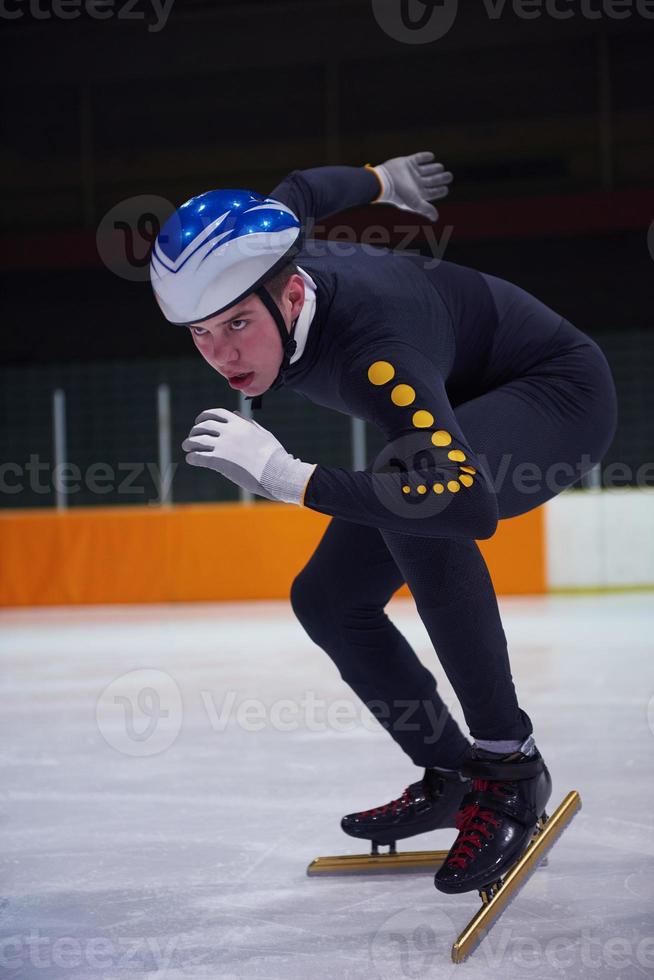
point(321, 191)
point(408, 183)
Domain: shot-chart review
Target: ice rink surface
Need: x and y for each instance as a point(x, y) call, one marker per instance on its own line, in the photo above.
point(168, 772)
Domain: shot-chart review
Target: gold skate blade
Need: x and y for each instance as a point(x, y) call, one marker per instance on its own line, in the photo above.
point(480, 924)
point(408, 862)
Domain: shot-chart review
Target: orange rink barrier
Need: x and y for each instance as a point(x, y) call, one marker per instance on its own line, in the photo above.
point(201, 552)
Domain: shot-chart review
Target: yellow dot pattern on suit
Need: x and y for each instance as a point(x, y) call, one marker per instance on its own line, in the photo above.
point(403, 395)
point(381, 373)
point(422, 419)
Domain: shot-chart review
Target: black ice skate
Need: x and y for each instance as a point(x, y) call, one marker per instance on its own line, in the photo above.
point(428, 804)
point(508, 799)
point(497, 820)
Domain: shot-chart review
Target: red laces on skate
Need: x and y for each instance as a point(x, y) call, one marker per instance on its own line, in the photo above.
point(394, 806)
point(470, 830)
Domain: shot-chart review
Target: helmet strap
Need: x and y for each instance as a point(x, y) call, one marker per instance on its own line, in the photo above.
point(289, 345)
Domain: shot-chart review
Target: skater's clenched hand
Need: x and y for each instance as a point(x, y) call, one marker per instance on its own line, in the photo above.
point(247, 454)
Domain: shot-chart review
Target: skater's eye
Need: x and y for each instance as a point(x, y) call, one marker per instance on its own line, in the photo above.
point(237, 324)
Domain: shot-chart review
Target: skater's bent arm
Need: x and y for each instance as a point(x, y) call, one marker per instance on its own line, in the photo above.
point(427, 480)
point(322, 191)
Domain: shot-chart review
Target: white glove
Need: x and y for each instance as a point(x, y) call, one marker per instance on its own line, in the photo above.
point(410, 182)
point(246, 453)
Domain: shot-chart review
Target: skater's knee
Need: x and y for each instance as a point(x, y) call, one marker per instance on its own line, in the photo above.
point(328, 615)
point(308, 600)
point(314, 608)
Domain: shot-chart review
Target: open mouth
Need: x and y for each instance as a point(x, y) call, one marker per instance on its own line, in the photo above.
point(238, 380)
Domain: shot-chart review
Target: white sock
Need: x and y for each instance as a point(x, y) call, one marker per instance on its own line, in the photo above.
point(527, 746)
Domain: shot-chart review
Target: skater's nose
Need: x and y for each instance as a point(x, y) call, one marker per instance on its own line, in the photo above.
point(224, 355)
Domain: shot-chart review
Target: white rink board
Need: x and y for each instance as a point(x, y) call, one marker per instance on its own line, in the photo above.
point(600, 539)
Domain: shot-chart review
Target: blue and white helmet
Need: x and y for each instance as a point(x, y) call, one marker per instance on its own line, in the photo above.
point(216, 249)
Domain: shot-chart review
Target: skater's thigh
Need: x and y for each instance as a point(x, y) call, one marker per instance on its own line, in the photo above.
point(539, 433)
point(352, 562)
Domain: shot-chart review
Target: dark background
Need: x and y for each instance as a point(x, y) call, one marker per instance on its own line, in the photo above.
point(547, 125)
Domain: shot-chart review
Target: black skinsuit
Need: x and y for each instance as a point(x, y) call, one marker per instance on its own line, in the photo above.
point(491, 404)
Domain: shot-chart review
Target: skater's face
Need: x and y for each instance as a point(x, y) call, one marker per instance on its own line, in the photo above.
point(245, 338)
